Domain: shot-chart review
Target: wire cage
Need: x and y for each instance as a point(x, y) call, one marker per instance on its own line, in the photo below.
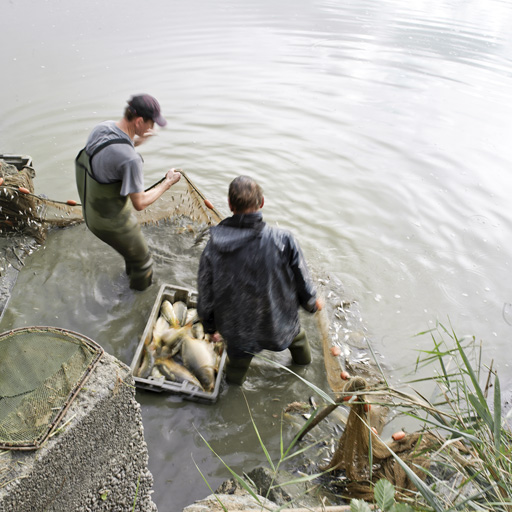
point(42, 369)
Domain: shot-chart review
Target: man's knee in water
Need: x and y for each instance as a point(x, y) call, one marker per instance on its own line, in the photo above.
point(236, 370)
point(140, 278)
point(141, 282)
point(300, 349)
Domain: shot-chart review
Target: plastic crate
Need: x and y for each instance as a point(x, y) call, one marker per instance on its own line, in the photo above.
point(184, 389)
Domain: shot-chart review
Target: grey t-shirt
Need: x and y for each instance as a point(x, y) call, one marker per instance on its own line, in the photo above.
point(117, 162)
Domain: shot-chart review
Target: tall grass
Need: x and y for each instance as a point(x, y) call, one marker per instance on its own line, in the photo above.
point(286, 453)
point(478, 441)
point(472, 465)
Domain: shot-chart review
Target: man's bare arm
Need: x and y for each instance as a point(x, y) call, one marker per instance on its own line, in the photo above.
point(142, 200)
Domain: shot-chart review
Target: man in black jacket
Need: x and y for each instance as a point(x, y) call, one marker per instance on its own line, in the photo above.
point(252, 279)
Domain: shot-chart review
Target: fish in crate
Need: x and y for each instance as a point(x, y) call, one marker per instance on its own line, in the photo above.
point(179, 350)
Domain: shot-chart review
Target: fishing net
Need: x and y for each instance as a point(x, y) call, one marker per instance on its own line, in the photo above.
point(22, 211)
point(361, 453)
point(41, 371)
point(358, 441)
point(182, 201)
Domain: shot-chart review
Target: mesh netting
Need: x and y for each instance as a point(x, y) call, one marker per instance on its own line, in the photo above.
point(21, 211)
point(41, 371)
point(359, 440)
point(183, 200)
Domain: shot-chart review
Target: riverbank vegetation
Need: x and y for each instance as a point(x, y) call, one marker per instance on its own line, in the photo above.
point(459, 458)
point(468, 412)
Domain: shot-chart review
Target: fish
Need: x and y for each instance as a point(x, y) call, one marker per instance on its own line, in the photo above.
point(191, 316)
point(148, 362)
point(172, 339)
point(156, 374)
point(160, 326)
point(199, 357)
point(176, 372)
point(197, 330)
point(218, 350)
point(168, 313)
point(180, 310)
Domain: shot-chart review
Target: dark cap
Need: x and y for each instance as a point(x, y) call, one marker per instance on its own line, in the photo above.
point(146, 106)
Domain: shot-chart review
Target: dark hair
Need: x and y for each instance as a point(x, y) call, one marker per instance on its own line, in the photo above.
point(245, 194)
point(130, 114)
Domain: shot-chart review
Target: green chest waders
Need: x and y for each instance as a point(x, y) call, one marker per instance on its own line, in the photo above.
point(111, 218)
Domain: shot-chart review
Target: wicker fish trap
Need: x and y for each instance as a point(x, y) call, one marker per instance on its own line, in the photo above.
point(42, 369)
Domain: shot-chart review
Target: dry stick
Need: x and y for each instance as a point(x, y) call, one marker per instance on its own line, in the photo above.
point(325, 412)
point(319, 417)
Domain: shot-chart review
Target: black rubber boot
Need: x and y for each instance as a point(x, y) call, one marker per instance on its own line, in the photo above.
point(236, 370)
point(300, 350)
point(140, 278)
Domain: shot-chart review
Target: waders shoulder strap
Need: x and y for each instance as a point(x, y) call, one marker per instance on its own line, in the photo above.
point(83, 160)
point(83, 167)
point(108, 143)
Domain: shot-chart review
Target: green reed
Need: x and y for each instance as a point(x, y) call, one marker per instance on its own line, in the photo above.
point(475, 441)
point(469, 413)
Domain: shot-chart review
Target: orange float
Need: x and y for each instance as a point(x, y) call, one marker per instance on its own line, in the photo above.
point(398, 436)
point(335, 351)
point(24, 190)
point(208, 204)
point(71, 202)
point(367, 407)
point(1, 181)
point(344, 375)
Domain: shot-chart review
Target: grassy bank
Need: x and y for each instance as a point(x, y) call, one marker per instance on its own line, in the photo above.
point(468, 453)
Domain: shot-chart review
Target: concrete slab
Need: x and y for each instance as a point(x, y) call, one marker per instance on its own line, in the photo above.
point(96, 461)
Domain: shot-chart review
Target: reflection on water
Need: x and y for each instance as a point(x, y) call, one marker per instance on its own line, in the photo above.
point(378, 130)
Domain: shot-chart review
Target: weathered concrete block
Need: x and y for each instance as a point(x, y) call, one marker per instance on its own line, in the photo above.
point(235, 502)
point(96, 462)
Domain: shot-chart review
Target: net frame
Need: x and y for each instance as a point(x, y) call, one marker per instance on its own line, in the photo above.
point(91, 345)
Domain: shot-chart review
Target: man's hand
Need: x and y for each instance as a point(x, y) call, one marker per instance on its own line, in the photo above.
point(140, 139)
point(172, 176)
point(215, 337)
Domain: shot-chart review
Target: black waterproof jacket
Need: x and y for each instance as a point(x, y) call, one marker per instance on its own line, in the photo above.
point(252, 279)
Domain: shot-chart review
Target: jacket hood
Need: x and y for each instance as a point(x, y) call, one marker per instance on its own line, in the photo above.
point(236, 231)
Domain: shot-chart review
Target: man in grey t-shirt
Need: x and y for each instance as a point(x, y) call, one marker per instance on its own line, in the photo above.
point(111, 181)
point(117, 162)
